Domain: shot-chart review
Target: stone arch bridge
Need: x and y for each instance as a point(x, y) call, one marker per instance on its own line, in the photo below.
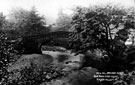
point(32, 44)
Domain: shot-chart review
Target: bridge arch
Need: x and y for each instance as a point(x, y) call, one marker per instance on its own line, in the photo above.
point(32, 44)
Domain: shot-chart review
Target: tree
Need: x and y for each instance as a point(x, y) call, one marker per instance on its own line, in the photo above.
point(28, 22)
point(2, 21)
point(104, 28)
point(63, 22)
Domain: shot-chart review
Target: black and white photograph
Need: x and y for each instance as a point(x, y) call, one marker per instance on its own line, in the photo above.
point(67, 42)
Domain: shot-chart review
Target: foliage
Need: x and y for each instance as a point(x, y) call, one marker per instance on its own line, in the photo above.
point(94, 27)
point(63, 23)
point(33, 75)
point(126, 78)
point(7, 27)
point(11, 34)
point(96, 58)
point(83, 76)
point(50, 75)
point(28, 22)
point(2, 21)
point(104, 28)
point(7, 52)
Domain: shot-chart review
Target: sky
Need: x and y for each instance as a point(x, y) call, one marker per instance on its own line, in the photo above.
point(50, 8)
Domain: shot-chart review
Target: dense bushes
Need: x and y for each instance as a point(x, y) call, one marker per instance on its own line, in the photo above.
point(51, 75)
point(7, 54)
point(33, 75)
point(105, 28)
